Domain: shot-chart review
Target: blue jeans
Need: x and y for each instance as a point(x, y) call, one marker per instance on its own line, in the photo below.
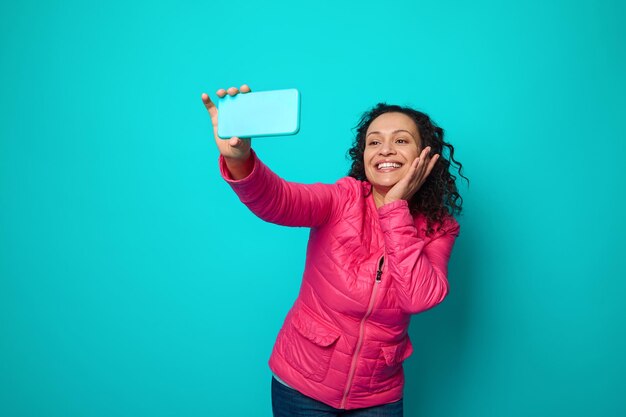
point(287, 402)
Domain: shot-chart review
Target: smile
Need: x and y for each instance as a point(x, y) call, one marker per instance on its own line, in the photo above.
point(388, 165)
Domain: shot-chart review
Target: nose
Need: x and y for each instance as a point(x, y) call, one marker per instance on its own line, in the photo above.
point(387, 148)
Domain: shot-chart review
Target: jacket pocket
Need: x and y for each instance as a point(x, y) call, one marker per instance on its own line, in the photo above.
point(309, 344)
point(387, 373)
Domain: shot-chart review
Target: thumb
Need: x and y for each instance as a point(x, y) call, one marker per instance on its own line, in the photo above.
point(235, 142)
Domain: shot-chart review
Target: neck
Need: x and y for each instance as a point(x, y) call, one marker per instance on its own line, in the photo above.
point(379, 196)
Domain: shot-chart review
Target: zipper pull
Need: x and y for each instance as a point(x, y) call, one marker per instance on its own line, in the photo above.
point(379, 273)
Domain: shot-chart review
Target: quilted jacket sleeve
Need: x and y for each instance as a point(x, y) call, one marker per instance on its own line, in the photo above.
point(282, 202)
point(417, 267)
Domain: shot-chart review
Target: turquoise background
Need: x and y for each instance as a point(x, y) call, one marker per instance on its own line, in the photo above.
point(134, 283)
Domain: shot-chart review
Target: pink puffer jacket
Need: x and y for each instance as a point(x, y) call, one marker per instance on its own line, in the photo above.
point(367, 270)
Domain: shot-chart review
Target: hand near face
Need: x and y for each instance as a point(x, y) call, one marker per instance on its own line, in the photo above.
point(414, 178)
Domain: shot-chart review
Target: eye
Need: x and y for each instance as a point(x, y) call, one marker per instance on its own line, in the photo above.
point(401, 140)
point(374, 142)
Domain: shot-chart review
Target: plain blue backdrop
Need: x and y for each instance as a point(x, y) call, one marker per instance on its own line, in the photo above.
point(134, 283)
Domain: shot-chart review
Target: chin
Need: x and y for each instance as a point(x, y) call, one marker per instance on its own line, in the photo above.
point(384, 186)
point(388, 182)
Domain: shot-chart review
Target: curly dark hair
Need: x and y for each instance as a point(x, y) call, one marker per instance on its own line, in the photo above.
point(438, 197)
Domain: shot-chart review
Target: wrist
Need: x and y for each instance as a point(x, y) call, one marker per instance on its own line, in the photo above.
point(392, 206)
point(390, 200)
point(239, 168)
point(234, 160)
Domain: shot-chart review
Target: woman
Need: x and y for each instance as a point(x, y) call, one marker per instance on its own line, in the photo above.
point(378, 252)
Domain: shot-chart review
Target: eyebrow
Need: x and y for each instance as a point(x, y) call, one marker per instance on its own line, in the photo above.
point(395, 131)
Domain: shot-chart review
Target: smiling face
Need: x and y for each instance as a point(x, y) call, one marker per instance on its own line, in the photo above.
point(392, 143)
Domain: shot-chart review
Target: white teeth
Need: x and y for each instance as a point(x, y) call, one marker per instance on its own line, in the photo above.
point(389, 165)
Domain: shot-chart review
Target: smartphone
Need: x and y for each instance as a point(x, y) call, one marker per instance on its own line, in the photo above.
point(265, 113)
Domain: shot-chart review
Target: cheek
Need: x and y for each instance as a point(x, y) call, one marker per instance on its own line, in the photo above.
point(411, 155)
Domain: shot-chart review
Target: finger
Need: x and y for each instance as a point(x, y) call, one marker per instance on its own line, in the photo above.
point(424, 175)
point(232, 91)
point(235, 142)
point(424, 159)
point(245, 88)
point(431, 165)
point(221, 93)
point(207, 100)
point(419, 172)
point(210, 106)
point(415, 165)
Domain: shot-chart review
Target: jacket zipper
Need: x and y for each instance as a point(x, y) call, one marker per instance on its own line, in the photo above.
point(359, 342)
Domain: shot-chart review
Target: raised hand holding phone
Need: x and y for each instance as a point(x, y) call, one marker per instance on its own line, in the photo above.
point(236, 151)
